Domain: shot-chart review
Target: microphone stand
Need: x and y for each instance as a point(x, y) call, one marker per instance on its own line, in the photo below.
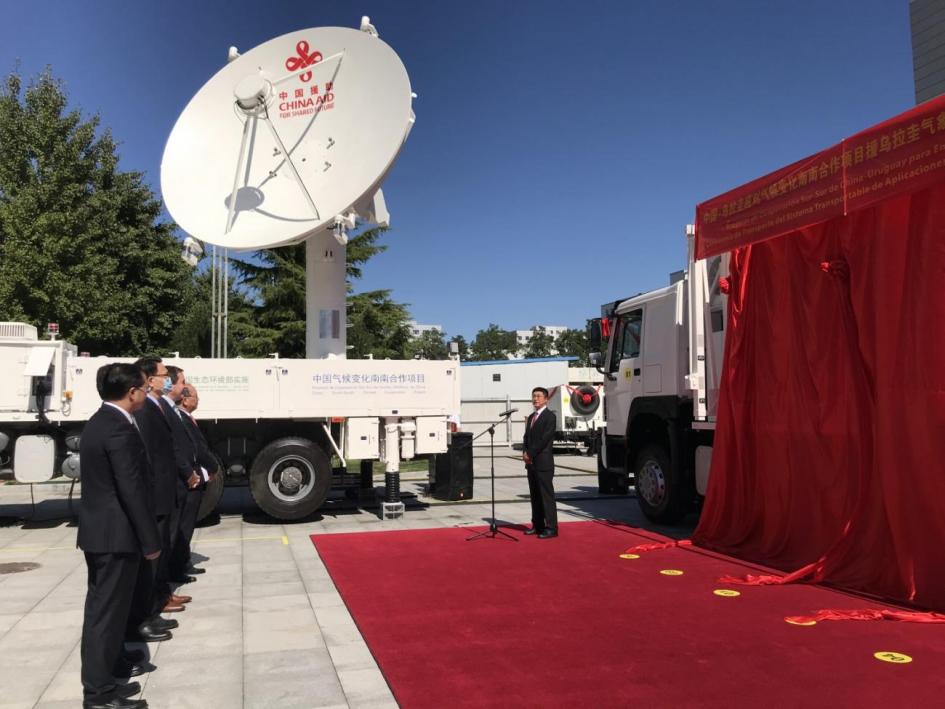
point(493, 530)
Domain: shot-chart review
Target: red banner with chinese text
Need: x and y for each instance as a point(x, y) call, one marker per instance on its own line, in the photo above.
point(903, 154)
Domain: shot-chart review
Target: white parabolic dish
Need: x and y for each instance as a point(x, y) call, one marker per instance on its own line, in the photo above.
point(339, 102)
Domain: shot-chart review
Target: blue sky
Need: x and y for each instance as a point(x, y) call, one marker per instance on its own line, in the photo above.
point(560, 147)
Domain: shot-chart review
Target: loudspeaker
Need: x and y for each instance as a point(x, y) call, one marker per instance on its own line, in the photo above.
point(453, 476)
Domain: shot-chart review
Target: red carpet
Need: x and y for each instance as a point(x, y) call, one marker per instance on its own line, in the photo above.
point(567, 622)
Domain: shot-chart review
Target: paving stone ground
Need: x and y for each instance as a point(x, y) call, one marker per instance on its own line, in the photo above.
point(267, 627)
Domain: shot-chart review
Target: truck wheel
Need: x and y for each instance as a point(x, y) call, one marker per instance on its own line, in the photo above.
point(609, 483)
point(662, 498)
point(290, 478)
point(211, 495)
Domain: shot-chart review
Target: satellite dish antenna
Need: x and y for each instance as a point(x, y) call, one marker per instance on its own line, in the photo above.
point(290, 142)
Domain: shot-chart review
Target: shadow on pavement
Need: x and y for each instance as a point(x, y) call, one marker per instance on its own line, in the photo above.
point(45, 514)
point(605, 508)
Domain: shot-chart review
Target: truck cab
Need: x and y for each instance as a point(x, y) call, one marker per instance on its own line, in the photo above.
point(661, 355)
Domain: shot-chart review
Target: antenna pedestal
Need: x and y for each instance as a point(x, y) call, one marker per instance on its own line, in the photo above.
point(325, 297)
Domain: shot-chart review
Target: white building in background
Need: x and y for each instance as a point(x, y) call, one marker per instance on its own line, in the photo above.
point(417, 329)
point(523, 336)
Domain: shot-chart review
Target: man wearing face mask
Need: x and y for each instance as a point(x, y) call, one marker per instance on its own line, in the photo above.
point(208, 469)
point(188, 494)
point(153, 593)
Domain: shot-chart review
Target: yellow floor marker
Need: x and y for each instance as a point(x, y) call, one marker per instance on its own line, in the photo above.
point(726, 592)
point(798, 622)
point(897, 658)
point(671, 572)
point(285, 540)
point(629, 556)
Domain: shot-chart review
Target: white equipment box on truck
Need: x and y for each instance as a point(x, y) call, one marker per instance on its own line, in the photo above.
point(277, 422)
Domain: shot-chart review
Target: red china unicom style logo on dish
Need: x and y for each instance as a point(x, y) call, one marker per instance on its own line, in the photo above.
point(305, 100)
point(303, 59)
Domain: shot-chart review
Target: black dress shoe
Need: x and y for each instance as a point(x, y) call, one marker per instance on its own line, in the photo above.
point(163, 623)
point(115, 703)
point(148, 633)
point(548, 534)
point(532, 531)
point(133, 657)
point(196, 570)
point(184, 579)
point(127, 690)
point(125, 671)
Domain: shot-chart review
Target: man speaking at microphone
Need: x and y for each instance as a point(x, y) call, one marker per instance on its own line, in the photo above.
point(540, 465)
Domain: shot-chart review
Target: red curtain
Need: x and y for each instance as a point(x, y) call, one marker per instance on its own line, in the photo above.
point(830, 445)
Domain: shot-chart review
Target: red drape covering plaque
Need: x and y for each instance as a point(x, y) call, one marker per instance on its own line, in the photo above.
point(830, 445)
point(901, 155)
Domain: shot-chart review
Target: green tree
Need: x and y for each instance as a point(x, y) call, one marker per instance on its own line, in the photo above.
point(378, 326)
point(274, 318)
point(540, 344)
point(429, 345)
point(361, 249)
point(274, 321)
point(81, 242)
point(192, 335)
point(574, 343)
point(493, 343)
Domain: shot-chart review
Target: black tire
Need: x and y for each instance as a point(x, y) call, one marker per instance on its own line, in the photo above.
point(290, 478)
point(212, 494)
point(608, 482)
point(661, 496)
point(594, 444)
point(577, 400)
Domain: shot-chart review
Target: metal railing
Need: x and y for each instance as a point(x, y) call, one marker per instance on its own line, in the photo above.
point(477, 414)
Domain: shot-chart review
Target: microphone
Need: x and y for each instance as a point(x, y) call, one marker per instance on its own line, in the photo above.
point(508, 413)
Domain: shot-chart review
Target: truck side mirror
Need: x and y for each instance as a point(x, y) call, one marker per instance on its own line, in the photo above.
point(597, 362)
point(594, 335)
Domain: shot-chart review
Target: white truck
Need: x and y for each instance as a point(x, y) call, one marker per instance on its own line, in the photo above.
point(274, 423)
point(662, 365)
point(494, 386)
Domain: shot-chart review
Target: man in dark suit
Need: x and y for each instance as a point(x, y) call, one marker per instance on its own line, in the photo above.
point(153, 593)
point(207, 462)
point(117, 528)
point(188, 494)
point(540, 466)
